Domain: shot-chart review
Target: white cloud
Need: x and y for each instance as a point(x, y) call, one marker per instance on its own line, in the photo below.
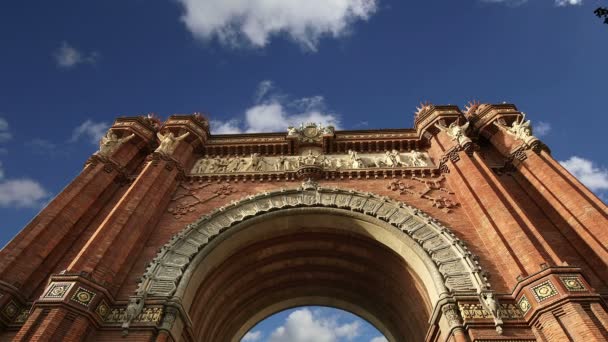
point(226, 127)
point(595, 178)
point(305, 326)
point(253, 22)
point(542, 128)
point(67, 56)
point(91, 130)
point(568, 2)
point(5, 134)
point(379, 339)
point(274, 112)
point(252, 336)
point(21, 193)
point(263, 88)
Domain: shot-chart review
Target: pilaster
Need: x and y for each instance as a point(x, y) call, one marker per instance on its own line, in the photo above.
point(582, 211)
point(109, 253)
point(494, 217)
point(29, 258)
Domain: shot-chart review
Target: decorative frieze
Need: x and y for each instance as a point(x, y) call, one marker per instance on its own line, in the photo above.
point(117, 315)
point(478, 311)
point(256, 163)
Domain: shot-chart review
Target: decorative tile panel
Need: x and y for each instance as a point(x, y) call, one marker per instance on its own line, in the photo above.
point(83, 296)
point(524, 304)
point(11, 310)
point(544, 290)
point(57, 290)
point(573, 283)
point(103, 309)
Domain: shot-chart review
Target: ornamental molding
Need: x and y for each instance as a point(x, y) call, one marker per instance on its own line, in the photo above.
point(458, 271)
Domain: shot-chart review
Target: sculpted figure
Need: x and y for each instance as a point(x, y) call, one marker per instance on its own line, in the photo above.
point(133, 309)
point(221, 165)
point(457, 132)
point(391, 158)
point(200, 166)
point(522, 130)
point(417, 158)
point(327, 130)
point(493, 307)
point(110, 143)
point(491, 304)
point(233, 164)
point(292, 131)
point(327, 162)
point(255, 163)
point(168, 142)
point(212, 165)
point(310, 158)
point(279, 164)
point(339, 163)
point(355, 161)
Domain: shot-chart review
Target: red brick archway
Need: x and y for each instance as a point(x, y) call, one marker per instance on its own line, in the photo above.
point(533, 231)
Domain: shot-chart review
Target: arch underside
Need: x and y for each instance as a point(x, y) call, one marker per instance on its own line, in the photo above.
point(379, 259)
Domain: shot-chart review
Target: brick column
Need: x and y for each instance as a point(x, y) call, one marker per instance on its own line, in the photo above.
point(108, 254)
point(494, 218)
point(584, 213)
point(28, 260)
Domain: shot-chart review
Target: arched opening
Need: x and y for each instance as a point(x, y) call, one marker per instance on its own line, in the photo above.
point(382, 260)
point(313, 323)
point(308, 256)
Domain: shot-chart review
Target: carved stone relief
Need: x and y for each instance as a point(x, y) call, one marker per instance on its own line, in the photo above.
point(188, 196)
point(309, 132)
point(434, 191)
point(311, 157)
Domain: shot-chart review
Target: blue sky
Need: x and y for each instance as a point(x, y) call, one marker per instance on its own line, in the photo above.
point(68, 68)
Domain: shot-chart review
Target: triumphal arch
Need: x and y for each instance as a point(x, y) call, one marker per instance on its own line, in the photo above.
point(462, 228)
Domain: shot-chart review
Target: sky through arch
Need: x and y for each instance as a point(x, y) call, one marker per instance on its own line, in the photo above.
point(313, 324)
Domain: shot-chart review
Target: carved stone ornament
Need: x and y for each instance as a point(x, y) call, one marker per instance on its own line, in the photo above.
point(458, 270)
point(450, 311)
point(433, 191)
point(311, 157)
point(491, 305)
point(521, 130)
point(136, 304)
point(457, 133)
point(110, 143)
point(168, 142)
point(188, 196)
point(310, 132)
